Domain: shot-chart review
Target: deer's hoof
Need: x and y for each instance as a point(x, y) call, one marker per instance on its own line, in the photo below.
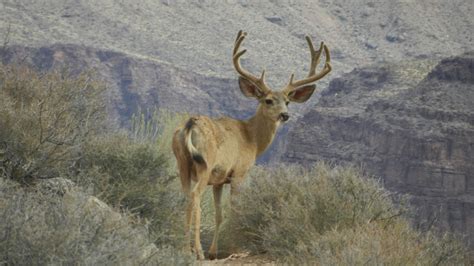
point(199, 255)
point(212, 256)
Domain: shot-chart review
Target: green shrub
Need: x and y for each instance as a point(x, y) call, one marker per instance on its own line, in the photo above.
point(44, 120)
point(328, 216)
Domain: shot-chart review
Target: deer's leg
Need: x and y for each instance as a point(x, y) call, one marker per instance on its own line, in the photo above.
point(234, 190)
point(187, 225)
point(198, 189)
point(185, 174)
point(217, 190)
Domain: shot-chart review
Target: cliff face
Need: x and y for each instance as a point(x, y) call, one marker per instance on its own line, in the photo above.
point(410, 124)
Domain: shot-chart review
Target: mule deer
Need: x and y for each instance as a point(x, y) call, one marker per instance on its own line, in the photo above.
point(221, 151)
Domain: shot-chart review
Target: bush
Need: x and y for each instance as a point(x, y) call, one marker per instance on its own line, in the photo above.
point(41, 227)
point(132, 175)
point(329, 216)
point(376, 244)
point(135, 171)
point(44, 120)
point(157, 128)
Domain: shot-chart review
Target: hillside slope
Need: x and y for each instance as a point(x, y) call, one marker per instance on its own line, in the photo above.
point(197, 36)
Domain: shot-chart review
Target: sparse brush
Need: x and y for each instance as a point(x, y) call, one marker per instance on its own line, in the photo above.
point(328, 216)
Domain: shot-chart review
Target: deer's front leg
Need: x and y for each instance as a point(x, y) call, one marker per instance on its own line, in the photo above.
point(235, 186)
point(217, 190)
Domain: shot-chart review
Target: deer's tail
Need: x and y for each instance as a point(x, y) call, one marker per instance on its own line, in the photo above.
point(195, 154)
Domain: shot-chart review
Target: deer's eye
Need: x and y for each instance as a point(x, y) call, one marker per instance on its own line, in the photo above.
point(287, 103)
point(269, 101)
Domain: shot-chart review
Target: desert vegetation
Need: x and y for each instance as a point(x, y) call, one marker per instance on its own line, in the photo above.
point(76, 190)
point(331, 215)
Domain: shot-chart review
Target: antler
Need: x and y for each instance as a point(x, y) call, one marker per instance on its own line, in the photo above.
point(260, 82)
point(312, 76)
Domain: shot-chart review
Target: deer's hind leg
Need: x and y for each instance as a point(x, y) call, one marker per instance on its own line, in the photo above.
point(200, 186)
point(217, 190)
point(185, 168)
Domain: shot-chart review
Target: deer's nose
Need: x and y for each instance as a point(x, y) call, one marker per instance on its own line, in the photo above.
point(284, 117)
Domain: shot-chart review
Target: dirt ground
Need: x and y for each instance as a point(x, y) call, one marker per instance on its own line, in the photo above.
point(240, 259)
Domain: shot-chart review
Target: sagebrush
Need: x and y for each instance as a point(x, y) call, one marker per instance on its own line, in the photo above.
point(42, 227)
point(330, 216)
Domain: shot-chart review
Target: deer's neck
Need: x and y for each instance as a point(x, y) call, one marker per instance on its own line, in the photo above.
point(261, 131)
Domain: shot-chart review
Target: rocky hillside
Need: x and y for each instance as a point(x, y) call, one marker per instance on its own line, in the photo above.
point(197, 36)
point(411, 124)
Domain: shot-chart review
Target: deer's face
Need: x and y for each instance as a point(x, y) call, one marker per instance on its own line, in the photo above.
point(274, 104)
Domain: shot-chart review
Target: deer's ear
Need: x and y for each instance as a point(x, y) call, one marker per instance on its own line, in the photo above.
point(302, 94)
point(249, 89)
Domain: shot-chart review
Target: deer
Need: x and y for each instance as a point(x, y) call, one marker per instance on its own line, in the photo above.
point(218, 151)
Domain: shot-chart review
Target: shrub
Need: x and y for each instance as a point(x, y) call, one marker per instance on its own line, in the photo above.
point(44, 120)
point(375, 244)
point(135, 171)
point(328, 216)
point(132, 175)
point(42, 227)
point(157, 128)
